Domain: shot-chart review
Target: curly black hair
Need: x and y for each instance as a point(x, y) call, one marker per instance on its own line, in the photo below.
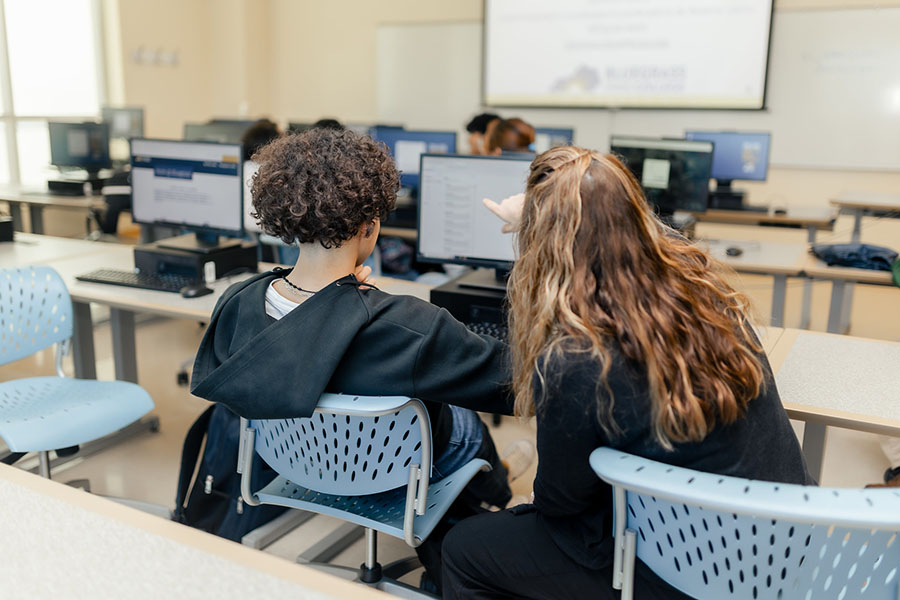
point(322, 186)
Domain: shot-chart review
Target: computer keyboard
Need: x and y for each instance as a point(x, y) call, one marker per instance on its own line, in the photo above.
point(496, 330)
point(146, 281)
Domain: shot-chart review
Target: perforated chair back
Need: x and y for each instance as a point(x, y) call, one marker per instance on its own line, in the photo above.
point(713, 536)
point(35, 311)
point(338, 452)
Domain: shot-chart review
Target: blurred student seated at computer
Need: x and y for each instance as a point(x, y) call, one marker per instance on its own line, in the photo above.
point(477, 129)
point(509, 136)
point(258, 135)
point(278, 340)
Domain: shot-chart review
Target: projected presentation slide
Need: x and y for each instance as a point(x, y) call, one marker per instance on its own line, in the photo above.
point(453, 222)
point(193, 184)
point(627, 53)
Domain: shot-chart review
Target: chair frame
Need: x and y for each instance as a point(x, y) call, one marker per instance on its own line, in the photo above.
point(370, 572)
point(732, 496)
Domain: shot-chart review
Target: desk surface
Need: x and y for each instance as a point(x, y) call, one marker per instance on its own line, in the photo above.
point(32, 249)
point(868, 201)
point(801, 216)
point(44, 198)
point(813, 267)
point(839, 380)
point(64, 543)
point(769, 258)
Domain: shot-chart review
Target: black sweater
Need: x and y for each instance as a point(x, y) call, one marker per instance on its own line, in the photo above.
point(347, 338)
point(577, 507)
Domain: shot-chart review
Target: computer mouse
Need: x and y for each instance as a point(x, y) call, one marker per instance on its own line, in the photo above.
point(195, 291)
point(780, 211)
point(733, 251)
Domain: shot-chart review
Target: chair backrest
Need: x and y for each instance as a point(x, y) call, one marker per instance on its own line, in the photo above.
point(35, 311)
point(352, 445)
point(713, 536)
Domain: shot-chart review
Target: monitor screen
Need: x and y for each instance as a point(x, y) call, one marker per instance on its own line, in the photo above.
point(196, 185)
point(454, 225)
point(124, 123)
point(673, 173)
point(407, 146)
point(250, 169)
point(84, 145)
point(221, 132)
point(737, 154)
point(551, 137)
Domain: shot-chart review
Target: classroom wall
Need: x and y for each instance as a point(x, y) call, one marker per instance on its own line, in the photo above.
point(304, 59)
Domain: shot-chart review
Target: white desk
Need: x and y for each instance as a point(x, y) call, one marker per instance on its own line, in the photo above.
point(837, 380)
point(59, 542)
point(37, 199)
point(31, 249)
point(776, 259)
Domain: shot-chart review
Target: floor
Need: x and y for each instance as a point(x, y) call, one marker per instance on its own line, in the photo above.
point(146, 466)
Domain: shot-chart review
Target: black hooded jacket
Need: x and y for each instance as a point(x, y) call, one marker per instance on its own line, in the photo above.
point(349, 338)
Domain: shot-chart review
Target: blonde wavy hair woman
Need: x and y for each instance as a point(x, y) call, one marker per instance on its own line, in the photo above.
point(623, 334)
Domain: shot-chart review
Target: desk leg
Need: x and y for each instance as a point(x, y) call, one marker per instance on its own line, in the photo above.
point(806, 313)
point(83, 342)
point(124, 353)
point(36, 211)
point(779, 290)
point(15, 211)
point(848, 290)
point(857, 225)
point(814, 448)
point(836, 309)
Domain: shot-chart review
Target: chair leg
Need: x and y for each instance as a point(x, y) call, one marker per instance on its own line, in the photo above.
point(44, 468)
point(628, 567)
point(370, 571)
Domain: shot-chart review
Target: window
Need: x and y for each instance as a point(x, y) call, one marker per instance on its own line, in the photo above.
point(50, 69)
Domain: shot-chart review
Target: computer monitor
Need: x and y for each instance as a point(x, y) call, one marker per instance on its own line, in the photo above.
point(550, 137)
point(124, 122)
point(453, 224)
point(83, 145)
point(193, 185)
point(673, 173)
point(737, 154)
point(222, 132)
point(250, 169)
point(408, 146)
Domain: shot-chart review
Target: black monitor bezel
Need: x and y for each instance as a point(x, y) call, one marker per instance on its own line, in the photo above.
point(656, 208)
point(500, 265)
point(736, 132)
point(373, 135)
point(89, 167)
point(233, 233)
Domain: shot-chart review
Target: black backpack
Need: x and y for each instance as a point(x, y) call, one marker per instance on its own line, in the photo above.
point(214, 503)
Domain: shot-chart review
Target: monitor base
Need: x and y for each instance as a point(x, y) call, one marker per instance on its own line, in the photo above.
point(484, 279)
point(198, 243)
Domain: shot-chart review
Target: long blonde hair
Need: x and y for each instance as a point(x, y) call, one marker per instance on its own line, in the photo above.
point(596, 267)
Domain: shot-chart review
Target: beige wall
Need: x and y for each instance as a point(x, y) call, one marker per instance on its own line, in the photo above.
point(305, 59)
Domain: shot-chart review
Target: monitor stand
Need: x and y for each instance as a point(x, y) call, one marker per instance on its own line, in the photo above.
point(725, 197)
point(485, 279)
point(198, 243)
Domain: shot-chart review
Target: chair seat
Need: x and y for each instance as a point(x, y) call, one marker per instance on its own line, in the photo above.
point(47, 413)
point(381, 512)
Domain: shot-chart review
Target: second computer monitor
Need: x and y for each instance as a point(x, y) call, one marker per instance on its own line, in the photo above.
point(223, 132)
point(407, 146)
point(737, 154)
point(454, 225)
point(84, 145)
point(673, 173)
point(551, 137)
point(196, 185)
point(124, 122)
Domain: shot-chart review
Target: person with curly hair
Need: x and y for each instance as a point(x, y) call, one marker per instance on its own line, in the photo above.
point(278, 340)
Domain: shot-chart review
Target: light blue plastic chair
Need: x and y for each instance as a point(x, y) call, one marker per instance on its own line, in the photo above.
point(364, 459)
point(713, 536)
point(39, 414)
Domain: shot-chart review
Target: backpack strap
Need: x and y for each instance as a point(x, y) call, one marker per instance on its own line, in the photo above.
point(189, 455)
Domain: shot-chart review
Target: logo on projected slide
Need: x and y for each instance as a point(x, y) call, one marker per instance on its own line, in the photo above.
point(624, 80)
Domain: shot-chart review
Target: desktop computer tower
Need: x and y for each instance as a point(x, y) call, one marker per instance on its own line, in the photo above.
point(470, 304)
point(155, 258)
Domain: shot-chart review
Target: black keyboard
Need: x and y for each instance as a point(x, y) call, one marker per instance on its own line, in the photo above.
point(146, 281)
point(496, 330)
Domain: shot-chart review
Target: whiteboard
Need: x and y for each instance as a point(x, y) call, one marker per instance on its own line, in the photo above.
point(833, 93)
